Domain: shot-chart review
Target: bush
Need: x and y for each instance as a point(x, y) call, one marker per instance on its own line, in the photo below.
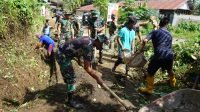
point(17, 16)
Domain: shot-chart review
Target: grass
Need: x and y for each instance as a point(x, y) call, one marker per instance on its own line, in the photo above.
point(185, 34)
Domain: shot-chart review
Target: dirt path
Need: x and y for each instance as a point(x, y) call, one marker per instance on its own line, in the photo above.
point(95, 99)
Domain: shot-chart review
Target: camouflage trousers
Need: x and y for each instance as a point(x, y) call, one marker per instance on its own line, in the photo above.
point(65, 36)
point(67, 71)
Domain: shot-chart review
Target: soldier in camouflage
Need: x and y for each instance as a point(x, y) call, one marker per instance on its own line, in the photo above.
point(67, 51)
point(65, 28)
point(96, 26)
point(78, 29)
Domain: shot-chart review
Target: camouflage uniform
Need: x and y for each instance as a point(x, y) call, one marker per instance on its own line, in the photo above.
point(77, 33)
point(66, 26)
point(66, 52)
point(98, 23)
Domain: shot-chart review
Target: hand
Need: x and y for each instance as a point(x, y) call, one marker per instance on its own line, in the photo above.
point(133, 52)
point(58, 36)
point(141, 50)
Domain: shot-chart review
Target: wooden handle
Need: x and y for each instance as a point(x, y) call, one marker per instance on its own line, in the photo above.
point(117, 97)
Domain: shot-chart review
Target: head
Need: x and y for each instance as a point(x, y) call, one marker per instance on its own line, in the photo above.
point(98, 43)
point(67, 15)
point(113, 17)
point(47, 20)
point(131, 22)
point(94, 14)
point(38, 35)
point(164, 22)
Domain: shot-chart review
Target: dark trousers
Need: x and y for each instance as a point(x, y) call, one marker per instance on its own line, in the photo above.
point(120, 61)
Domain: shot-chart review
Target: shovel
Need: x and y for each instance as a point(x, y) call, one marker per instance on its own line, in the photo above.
point(125, 103)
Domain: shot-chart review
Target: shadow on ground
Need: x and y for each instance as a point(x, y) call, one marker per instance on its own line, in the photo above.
point(56, 96)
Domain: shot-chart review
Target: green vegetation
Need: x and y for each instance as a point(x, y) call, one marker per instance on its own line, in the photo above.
point(103, 6)
point(141, 11)
point(71, 5)
point(185, 30)
point(18, 15)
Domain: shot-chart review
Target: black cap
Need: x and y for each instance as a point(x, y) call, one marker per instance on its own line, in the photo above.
point(164, 21)
point(132, 19)
point(113, 16)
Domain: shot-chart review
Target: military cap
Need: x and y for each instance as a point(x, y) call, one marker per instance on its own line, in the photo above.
point(95, 13)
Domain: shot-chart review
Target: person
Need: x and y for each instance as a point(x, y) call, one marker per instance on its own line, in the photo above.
point(47, 41)
point(78, 30)
point(154, 22)
point(67, 51)
point(58, 15)
point(163, 55)
point(65, 28)
point(96, 27)
point(112, 31)
point(126, 37)
point(49, 44)
point(47, 28)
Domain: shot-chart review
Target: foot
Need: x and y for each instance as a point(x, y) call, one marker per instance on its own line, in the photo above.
point(75, 104)
point(113, 69)
point(145, 91)
point(100, 62)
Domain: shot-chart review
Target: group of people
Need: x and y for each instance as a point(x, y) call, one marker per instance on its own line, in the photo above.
point(72, 44)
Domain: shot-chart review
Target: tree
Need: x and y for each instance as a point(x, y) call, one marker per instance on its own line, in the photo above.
point(103, 6)
point(71, 5)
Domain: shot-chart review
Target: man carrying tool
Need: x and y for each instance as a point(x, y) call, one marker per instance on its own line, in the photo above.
point(163, 55)
point(65, 28)
point(96, 27)
point(125, 39)
point(67, 51)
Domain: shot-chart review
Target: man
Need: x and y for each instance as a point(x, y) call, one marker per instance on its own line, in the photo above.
point(112, 32)
point(78, 30)
point(126, 38)
point(67, 51)
point(47, 42)
point(163, 55)
point(65, 28)
point(47, 28)
point(58, 15)
point(96, 27)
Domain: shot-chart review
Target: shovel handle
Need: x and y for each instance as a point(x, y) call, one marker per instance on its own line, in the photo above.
point(117, 97)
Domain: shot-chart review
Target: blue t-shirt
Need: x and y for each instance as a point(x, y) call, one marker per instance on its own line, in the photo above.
point(46, 40)
point(126, 36)
point(162, 43)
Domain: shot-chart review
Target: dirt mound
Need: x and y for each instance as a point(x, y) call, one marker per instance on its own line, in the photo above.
point(22, 69)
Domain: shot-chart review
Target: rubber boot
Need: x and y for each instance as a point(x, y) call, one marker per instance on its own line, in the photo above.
point(172, 80)
point(149, 87)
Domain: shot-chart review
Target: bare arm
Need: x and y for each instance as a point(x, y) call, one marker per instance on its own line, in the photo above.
point(72, 30)
point(143, 45)
point(96, 75)
point(38, 45)
point(120, 43)
point(59, 29)
point(100, 29)
point(89, 30)
point(133, 45)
